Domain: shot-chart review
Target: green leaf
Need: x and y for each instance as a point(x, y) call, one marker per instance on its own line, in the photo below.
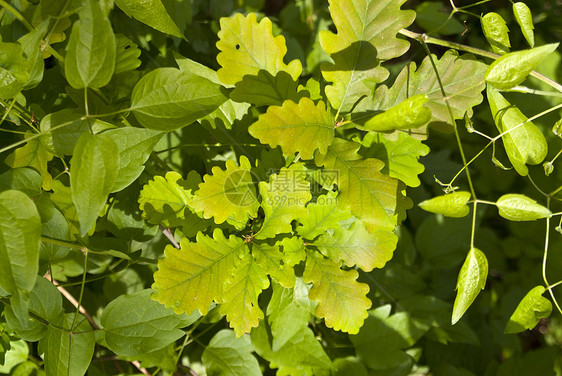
point(134, 146)
point(164, 198)
point(288, 313)
point(62, 129)
point(381, 196)
point(23, 179)
point(134, 324)
point(518, 207)
point(283, 200)
point(247, 47)
point(324, 214)
point(90, 60)
point(227, 355)
point(272, 261)
point(342, 301)
point(20, 231)
point(512, 69)
point(524, 18)
point(450, 205)
point(93, 171)
point(524, 143)
point(46, 302)
point(54, 226)
point(241, 291)
point(67, 351)
point(496, 32)
point(472, 279)
point(400, 155)
point(152, 13)
point(410, 113)
point(530, 310)
point(17, 354)
point(62, 198)
point(463, 94)
point(14, 70)
point(298, 127)
point(264, 89)
point(302, 354)
point(31, 43)
point(355, 246)
point(366, 35)
point(229, 193)
point(193, 277)
point(167, 98)
point(128, 53)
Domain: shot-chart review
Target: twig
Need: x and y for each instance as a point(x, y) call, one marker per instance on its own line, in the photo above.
point(170, 236)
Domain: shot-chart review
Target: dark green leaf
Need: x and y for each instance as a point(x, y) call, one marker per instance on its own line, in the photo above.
point(14, 70)
point(227, 355)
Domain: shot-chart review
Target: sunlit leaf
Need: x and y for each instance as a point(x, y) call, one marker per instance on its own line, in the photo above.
point(366, 35)
point(400, 156)
point(472, 279)
point(496, 32)
point(193, 277)
point(33, 154)
point(23, 179)
point(411, 113)
point(283, 199)
point(355, 246)
point(524, 18)
point(150, 12)
point(229, 193)
point(271, 260)
point(135, 324)
point(381, 196)
point(450, 205)
point(530, 310)
point(227, 355)
point(524, 143)
point(90, 60)
point(20, 230)
point(241, 291)
point(518, 207)
point(248, 47)
point(342, 301)
point(31, 43)
point(168, 98)
point(164, 197)
point(93, 171)
point(324, 214)
point(512, 69)
point(298, 127)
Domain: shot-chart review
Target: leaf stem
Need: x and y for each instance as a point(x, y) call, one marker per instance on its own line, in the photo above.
point(16, 14)
point(82, 286)
point(545, 256)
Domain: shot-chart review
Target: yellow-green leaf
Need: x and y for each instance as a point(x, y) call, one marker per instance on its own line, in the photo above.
point(472, 279)
point(530, 310)
point(449, 205)
point(342, 301)
point(518, 207)
point(164, 197)
point(524, 18)
point(496, 32)
point(298, 127)
point(408, 114)
point(33, 154)
point(248, 46)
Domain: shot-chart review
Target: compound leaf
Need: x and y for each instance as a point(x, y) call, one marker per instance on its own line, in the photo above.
point(324, 214)
point(356, 246)
point(20, 231)
point(472, 279)
point(342, 301)
point(530, 310)
point(247, 47)
point(241, 291)
point(164, 198)
point(227, 355)
point(135, 324)
point(93, 171)
point(381, 199)
point(496, 32)
point(298, 127)
point(228, 193)
point(90, 60)
point(193, 276)
point(462, 78)
point(518, 207)
point(168, 98)
point(134, 146)
point(152, 13)
point(524, 143)
point(366, 35)
point(283, 200)
point(400, 155)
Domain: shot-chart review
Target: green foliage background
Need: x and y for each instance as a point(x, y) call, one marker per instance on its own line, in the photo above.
point(232, 187)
